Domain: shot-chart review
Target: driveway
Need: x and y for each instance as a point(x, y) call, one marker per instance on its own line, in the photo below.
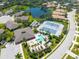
point(59, 53)
point(10, 51)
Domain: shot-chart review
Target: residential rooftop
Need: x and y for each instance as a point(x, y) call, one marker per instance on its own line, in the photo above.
point(5, 18)
point(59, 14)
point(19, 13)
point(22, 18)
point(11, 25)
point(23, 34)
point(49, 4)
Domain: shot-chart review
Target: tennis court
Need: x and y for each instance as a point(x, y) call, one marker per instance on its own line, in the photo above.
point(51, 27)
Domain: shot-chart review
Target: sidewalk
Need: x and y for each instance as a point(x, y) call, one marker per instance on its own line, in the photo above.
point(21, 49)
point(71, 53)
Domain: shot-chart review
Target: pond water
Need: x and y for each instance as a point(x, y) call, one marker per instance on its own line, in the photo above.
point(37, 12)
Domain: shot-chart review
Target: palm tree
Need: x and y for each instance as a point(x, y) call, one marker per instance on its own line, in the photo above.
point(18, 56)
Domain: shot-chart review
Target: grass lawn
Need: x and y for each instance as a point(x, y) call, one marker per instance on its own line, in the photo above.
point(53, 46)
point(76, 49)
point(77, 39)
point(16, 8)
point(2, 46)
point(69, 57)
point(6, 9)
point(77, 29)
point(21, 7)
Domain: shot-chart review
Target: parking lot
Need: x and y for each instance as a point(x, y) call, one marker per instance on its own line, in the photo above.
point(10, 51)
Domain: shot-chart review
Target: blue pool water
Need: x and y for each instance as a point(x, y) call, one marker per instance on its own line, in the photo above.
point(39, 38)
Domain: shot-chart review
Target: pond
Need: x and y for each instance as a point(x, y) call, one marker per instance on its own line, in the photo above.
point(37, 12)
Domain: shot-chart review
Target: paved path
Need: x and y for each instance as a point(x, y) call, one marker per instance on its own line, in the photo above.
point(59, 53)
point(74, 42)
point(71, 53)
point(21, 50)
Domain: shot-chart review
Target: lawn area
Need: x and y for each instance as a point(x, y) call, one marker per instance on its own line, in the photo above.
point(2, 46)
point(12, 7)
point(26, 55)
point(20, 7)
point(16, 8)
point(77, 29)
point(69, 57)
point(77, 39)
point(76, 49)
point(53, 46)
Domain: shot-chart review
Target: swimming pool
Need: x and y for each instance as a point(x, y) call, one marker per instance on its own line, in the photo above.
point(51, 27)
point(39, 38)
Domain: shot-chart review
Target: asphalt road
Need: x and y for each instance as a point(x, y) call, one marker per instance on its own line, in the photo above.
point(59, 53)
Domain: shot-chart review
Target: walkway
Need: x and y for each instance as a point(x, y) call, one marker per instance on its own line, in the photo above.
point(71, 53)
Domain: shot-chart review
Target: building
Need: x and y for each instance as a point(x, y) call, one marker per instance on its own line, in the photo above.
point(11, 25)
point(60, 10)
point(9, 12)
point(49, 4)
point(23, 34)
point(39, 43)
point(6, 18)
point(35, 24)
point(19, 13)
point(59, 14)
point(22, 18)
point(58, 17)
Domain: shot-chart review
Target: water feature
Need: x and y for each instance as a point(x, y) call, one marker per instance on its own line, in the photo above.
point(37, 12)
